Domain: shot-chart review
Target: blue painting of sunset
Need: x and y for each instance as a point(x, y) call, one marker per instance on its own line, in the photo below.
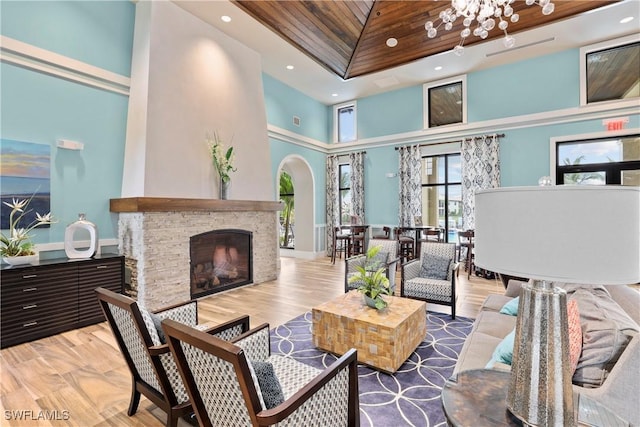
point(25, 172)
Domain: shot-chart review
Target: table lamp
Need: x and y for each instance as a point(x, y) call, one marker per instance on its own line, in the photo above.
point(570, 234)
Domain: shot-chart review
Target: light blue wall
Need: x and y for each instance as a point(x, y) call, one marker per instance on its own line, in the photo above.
point(545, 83)
point(283, 102)
point(41, 108)
point(381, 200)
point(96, 32)
point(390, 113)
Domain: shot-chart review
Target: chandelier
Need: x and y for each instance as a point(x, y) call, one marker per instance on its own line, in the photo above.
point(486, 13)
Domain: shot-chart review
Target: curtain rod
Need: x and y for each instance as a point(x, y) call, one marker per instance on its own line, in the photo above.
point(500, 135)
point(346, 154)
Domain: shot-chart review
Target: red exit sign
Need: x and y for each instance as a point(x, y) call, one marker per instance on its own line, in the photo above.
point(615, 124)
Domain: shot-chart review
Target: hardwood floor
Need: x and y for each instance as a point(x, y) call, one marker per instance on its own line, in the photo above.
point(79, 378)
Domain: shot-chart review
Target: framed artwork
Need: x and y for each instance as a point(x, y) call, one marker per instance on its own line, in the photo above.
point(25, 171)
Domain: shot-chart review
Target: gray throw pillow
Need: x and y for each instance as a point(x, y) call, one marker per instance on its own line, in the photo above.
point(269, 385)
point(435, 267)
point(157, 322)
point(606, 331)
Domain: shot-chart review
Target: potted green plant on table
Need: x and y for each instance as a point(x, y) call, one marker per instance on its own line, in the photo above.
point(371, 279)
point(17, 248)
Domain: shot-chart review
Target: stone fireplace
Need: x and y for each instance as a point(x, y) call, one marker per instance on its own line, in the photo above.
point(155, 234)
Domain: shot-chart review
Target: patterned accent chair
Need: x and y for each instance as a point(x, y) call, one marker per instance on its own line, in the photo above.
point(153, 369)
point(225, 390)
point(438, 291)
point(388, 246)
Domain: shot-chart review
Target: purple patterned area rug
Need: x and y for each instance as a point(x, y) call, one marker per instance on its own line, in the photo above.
point(411, 396)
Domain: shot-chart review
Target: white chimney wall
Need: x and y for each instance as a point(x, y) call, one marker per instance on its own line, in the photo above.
point(187, 79)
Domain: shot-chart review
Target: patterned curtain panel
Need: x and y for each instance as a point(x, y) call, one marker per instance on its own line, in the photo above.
point(410, 174)
point(357, 184)
point(480, 170)
point(332, 200)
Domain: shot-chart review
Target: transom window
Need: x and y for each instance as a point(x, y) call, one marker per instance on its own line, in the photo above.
point(345, 124)
point(445, 102)
point(610, 71)
point(602, 161)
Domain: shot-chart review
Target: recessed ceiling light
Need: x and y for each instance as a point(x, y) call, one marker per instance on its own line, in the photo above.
point(290, 67)
point(438, 68)
point(334, 94)
point(392, 42)
point(627, 19)
point(225, 18)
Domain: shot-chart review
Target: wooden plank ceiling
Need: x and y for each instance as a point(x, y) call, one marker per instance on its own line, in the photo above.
point(348, 37)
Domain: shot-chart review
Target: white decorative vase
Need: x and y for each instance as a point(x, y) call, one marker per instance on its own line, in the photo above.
point(20, 260)
point(69, 244)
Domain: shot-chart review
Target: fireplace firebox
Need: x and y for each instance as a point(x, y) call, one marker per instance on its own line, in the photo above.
point(220, 260)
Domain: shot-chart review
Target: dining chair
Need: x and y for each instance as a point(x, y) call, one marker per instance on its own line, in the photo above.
point(240, 383)
point(358, 240)
point(341, 243)
point(142, 343)
point(385, 233)
point(406, 242)
point(465, 241)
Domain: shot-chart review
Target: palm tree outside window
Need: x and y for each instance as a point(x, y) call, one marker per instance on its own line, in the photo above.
point(287, 218)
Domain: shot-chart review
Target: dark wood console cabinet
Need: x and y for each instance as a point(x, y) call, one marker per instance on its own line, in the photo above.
point(54, 296)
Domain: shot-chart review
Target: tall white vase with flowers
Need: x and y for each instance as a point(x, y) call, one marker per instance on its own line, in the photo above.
point(222, 161)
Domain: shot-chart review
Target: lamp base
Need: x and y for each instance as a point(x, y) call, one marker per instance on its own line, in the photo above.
point(540, 391)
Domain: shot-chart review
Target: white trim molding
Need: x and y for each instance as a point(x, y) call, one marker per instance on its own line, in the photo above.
point(284, 135)
point(37, 59)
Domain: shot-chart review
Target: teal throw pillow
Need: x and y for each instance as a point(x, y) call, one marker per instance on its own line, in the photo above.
point(504, 351)
point(435, 267)
point(269, 385)
point(511, 308)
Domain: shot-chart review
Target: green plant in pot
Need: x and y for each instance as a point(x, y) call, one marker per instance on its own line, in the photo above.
point(371, 279)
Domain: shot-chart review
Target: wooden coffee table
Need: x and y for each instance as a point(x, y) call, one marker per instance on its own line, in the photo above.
point(384, 338)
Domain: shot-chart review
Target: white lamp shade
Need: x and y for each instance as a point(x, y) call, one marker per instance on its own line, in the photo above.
point(573, 234)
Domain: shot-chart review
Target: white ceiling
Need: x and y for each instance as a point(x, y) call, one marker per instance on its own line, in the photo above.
point(315, 81)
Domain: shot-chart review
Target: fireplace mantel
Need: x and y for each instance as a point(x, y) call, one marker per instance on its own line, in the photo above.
point(169, 204)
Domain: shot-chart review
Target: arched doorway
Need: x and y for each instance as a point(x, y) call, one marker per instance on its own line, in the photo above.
point(303, 220)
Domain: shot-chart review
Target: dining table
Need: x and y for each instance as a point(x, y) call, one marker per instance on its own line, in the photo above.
point(418, 229)
point(353, 230)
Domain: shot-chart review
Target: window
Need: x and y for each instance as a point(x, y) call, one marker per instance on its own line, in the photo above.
point(445, 102)
point(602, 161)
point(345, 128)
point(442, 193)
point(610, 71)
point(345, 193)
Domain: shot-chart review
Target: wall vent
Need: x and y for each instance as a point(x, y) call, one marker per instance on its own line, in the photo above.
point(296, 120)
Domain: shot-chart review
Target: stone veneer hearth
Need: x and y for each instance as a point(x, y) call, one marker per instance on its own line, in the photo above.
point(154, 237)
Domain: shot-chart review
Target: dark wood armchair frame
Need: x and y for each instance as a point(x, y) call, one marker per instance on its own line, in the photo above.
point(166, 400)
point(177, 332)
